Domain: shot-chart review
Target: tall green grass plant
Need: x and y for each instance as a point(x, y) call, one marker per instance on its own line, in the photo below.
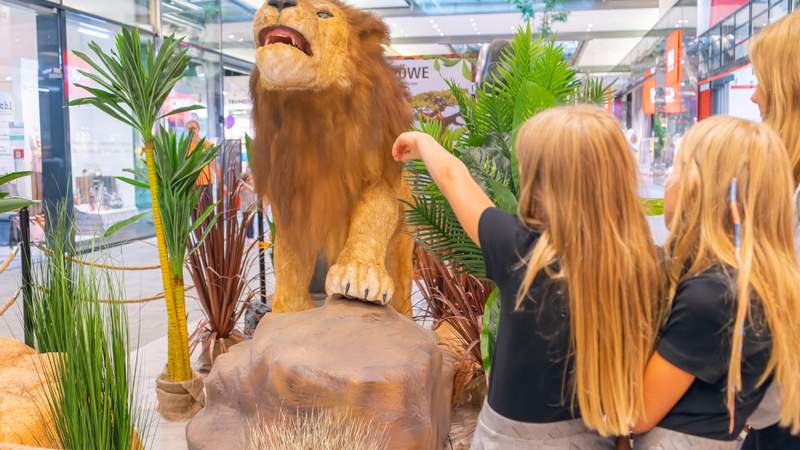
point(77, 316)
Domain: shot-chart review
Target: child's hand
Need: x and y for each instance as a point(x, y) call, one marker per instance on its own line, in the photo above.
point(409, 146)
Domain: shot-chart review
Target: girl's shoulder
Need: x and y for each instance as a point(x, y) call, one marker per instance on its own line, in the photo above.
point(708, 294)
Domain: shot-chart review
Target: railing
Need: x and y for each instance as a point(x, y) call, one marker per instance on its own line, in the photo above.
point(24, 248)
point(724, 45)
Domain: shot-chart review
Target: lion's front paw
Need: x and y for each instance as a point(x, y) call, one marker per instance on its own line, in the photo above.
point(361, 280)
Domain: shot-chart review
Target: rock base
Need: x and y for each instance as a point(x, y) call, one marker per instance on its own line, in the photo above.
point(24, 384)
point(368, 360)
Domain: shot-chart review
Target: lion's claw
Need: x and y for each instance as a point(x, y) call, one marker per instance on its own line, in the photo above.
point(371, 279)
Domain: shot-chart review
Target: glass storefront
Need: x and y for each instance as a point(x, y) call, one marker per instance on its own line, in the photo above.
point(131, 12)
point(101, 147)
point(197, 21)
point(20, 136)
point(75, 154)
point(200, 85)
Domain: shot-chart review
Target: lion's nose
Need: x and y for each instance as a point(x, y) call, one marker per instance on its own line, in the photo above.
point(280, 4)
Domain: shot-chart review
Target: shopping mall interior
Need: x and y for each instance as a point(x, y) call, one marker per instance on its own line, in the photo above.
point(662, 66)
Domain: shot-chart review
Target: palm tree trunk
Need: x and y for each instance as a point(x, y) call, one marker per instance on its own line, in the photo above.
point(183, 367)
point(174, 350)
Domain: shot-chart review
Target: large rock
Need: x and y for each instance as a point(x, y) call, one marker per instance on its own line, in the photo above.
point(366, 359)
point(24, 418)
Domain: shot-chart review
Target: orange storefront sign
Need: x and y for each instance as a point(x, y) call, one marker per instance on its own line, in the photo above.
point(673, 78)
point(649, 94)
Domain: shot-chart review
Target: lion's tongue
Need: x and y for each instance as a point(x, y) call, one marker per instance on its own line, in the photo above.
point(283, 36)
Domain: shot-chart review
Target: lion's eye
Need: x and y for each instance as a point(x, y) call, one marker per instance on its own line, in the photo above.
point(324, 14)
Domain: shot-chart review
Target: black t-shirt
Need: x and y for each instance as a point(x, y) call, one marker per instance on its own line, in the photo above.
point(697, 339)
point(531, 373)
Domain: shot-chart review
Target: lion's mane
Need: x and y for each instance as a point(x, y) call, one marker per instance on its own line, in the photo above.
point(315, 152)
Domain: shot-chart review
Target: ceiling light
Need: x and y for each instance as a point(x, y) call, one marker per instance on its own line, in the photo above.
point(8, 78)
point(231, 36)
point(92, 33)
point(431, 21)
point(441, 34)
point(187, 5)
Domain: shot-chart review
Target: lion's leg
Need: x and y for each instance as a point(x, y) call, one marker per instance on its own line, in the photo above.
point(293, 274)
point(401, 269)
point(360, 269)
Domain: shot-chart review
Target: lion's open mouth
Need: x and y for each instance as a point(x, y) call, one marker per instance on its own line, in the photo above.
point(281, 34)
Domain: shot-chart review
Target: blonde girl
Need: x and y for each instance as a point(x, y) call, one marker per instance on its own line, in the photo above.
point(577, 273)
point(735, 287)
point(775, 54)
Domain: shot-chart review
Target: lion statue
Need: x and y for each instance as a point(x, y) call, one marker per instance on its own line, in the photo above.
point(327, 108)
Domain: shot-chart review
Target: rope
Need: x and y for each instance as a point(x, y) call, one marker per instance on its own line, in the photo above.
point(9, 258)
point(143, 299)
point(99, 265)
point(10, 302)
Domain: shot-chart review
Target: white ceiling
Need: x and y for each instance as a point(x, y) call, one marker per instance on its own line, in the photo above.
point(605, 52)
point(617, 30)
point(598, 53)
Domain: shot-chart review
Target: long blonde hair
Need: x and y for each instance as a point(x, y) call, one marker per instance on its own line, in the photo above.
point(579, 187)
point(775, 53)
point(714, 153)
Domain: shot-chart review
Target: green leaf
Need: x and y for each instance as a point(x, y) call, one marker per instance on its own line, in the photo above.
point(491, 322)
point(180, 110)
point(248, 146)
point(502, 196)
point(450, 62)
point(135, 183)
point(466, 71)
point(13, 203)
point(531, 99)
point(205, 215)
point(9, 177)
point(125, 223)
point(437, 66)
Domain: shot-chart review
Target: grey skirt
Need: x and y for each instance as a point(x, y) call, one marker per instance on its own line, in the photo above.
point(664, 439)
point(495, 432)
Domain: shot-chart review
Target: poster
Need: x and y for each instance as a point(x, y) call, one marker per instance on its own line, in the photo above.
point(426, 78)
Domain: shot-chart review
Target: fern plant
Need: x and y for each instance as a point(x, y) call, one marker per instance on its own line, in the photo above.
point(533, 75)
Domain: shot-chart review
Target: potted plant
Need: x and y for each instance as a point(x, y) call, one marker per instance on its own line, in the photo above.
point(132, 83)
point(89, 377)
point(219, 257)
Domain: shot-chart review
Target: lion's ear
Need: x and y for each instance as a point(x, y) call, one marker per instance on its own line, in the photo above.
point(370, 28)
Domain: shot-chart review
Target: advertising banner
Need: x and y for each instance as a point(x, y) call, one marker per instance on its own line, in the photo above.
point(649, 95)
point(673, 103)
point(426, 78)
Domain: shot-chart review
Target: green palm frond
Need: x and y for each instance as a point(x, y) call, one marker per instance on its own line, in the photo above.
point(532, 75)
point(178, 166)
point(133, 82)
point(591, 90)
point(438, 230)
point(445, 136)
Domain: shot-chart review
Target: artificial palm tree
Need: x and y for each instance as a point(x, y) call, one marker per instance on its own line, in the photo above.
point(178, 166)
point(533, 75)
point(133, 81)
